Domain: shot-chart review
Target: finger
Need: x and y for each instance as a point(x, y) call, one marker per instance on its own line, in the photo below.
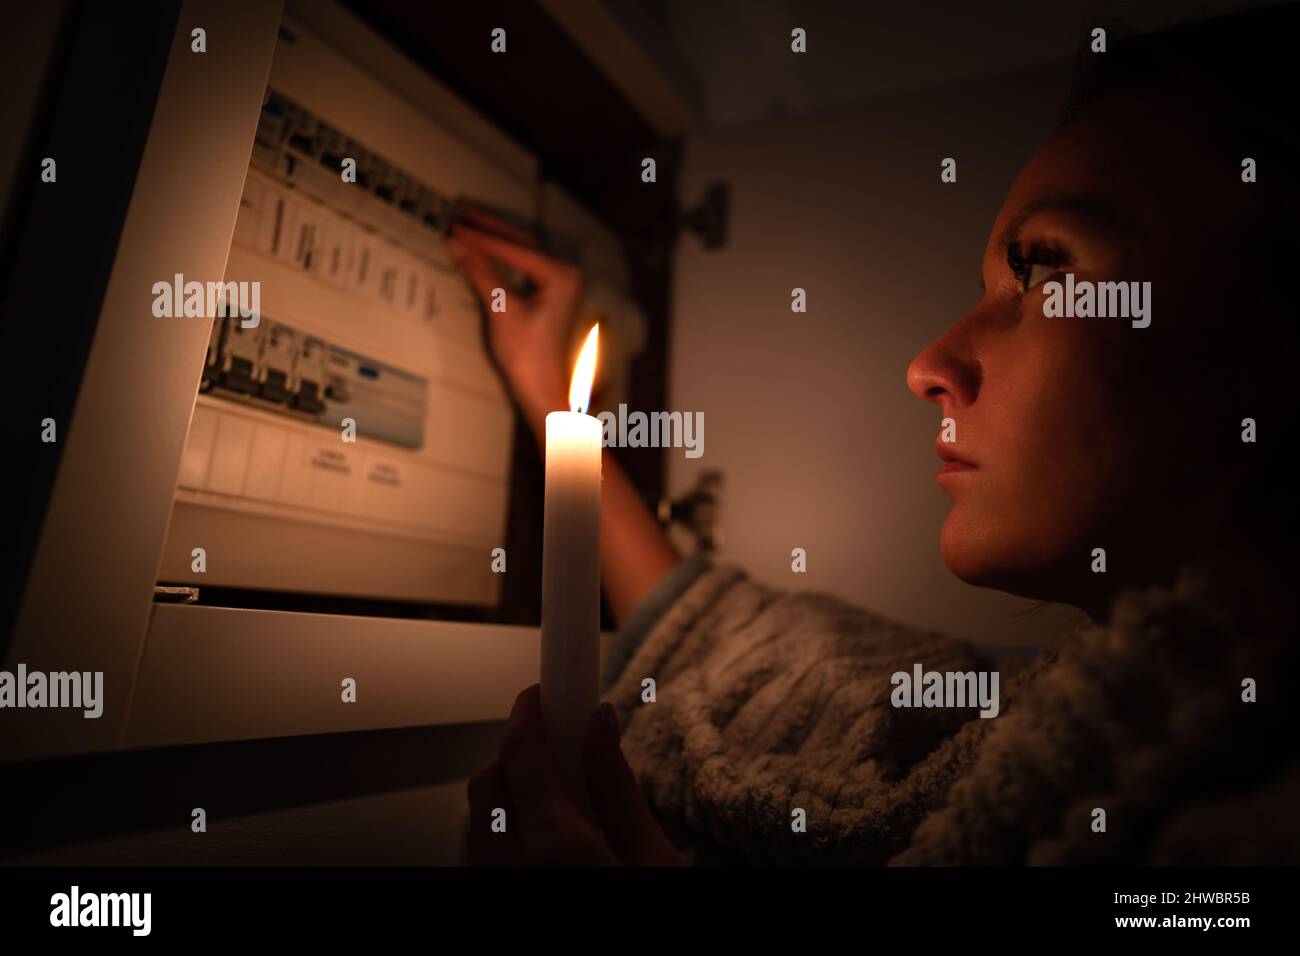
point(485, 844)
point(510, 253)
point(469, 215)
point(625, 818)
point(541, 802)
point(477, 269)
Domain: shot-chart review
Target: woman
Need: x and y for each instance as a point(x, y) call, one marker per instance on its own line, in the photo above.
point(1152, 734)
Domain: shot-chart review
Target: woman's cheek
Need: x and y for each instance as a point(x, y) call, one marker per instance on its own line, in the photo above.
point(1036, 439)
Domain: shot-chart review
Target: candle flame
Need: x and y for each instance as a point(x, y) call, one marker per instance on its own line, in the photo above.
point(584, 373)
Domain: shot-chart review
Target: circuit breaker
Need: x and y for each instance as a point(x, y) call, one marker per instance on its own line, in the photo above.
point(355, 439)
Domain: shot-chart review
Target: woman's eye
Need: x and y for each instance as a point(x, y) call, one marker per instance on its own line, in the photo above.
point(1034, 266)
point(1037, 273)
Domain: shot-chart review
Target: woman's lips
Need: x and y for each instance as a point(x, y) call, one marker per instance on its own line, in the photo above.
point(952, 462)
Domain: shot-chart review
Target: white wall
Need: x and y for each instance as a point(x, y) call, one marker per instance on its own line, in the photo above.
point(809, 416)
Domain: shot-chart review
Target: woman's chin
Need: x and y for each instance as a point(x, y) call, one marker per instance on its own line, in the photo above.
point(990, 556)
point(972, 552)
point(963, 549)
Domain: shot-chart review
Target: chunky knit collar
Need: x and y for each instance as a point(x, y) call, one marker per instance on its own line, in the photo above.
point(1145, 719)
point(770, 702)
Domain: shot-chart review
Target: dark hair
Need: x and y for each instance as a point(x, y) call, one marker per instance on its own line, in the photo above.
point(1231, 77)
point(1236, 71)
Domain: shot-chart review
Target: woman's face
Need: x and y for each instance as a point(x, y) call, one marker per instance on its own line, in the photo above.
point(1081, 433)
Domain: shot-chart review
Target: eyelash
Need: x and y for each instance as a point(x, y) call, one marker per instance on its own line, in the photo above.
point(1039, 254)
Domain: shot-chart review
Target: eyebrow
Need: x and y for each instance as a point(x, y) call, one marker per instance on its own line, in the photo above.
point(1087, 208)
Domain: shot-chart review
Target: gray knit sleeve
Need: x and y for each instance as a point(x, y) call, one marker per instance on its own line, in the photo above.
point(743, 703)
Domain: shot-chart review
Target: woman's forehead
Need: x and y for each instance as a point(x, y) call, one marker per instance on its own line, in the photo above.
point(1124, 166)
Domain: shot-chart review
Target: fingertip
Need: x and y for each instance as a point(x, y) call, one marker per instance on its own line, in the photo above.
point(526, 699)
point(524, 723)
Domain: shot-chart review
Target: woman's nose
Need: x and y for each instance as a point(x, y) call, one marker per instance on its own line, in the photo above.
point(944, 373)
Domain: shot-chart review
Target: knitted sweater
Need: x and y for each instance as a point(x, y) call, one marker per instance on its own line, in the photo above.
point(769, 702)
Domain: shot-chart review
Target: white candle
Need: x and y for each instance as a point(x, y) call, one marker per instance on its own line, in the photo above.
point(571, 574)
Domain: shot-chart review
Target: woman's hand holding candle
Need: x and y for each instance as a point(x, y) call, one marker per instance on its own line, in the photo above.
point(544, 825)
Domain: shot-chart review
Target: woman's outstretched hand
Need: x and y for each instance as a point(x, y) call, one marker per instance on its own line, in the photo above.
point(543, 824)
point(529, 338)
